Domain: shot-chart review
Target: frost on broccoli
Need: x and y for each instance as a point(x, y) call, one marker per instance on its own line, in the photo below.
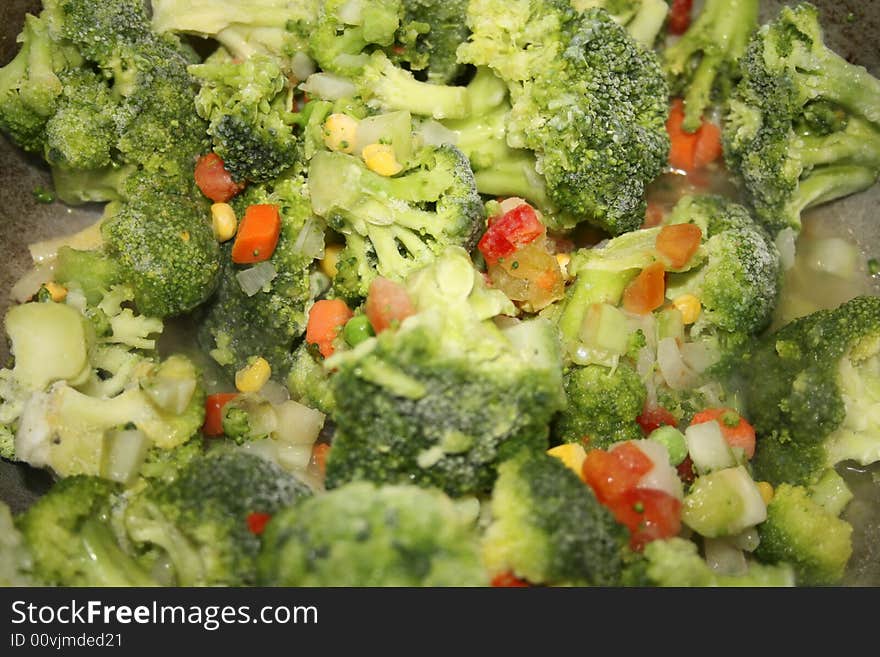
point(238, 324)
point(199, 519)
point(394, 225)
point(803, 126)
point(587, 100)
point(366, 535)
point(73, 541)
point(816, 543)
point(812, 390)
point(548, 527)
point(703, 65)
point(441, 400)
point(248, 108)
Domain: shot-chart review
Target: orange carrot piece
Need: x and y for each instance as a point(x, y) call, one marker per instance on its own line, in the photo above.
point(258, 234)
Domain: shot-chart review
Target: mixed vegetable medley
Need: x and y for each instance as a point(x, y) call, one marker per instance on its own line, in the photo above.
point(478, 292)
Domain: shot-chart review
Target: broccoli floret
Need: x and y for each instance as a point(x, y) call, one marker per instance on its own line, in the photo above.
point(812, 390)
point(602, 406)
point(643, 19)
point(161, 240)
point(676, 562)
point(15, 557)
point(430, 33)
point(394, 225)
point(279, 28)
point(548, 527)
point(587, 100)
point(346, 31)
point(236, 326)
point(200, 518)
point(786, 164)
point(247, 418)
point(703, 65)
point(165, 464)
point(739, 283)
point(444, 398)
point(309, 382)
point(816, 543)
point(367, 535)
point(72, 541)
point(30, 87)
point(248, 107)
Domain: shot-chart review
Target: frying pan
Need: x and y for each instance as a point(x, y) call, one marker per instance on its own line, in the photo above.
point(852, 29)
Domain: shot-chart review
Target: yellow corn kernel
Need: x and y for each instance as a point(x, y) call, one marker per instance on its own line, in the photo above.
point(340, 131)
point(572, 455)
point(223, 221)
point(331, 259)
point(689, 306)
point(56, 291)
point(563, 259)
point(766, 490)
point(253, 376)
point(380, 158)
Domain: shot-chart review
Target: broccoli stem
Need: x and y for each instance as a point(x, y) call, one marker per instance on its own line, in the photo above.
point(648, 21)
point(829, 183)
point(106, 563)
point(515, 176)
point(858, 144)
point(397, 89)
point(832, 78)
point(593, 286)
point(718, 35)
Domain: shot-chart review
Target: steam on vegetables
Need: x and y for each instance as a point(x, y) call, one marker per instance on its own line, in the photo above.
point(469, 304)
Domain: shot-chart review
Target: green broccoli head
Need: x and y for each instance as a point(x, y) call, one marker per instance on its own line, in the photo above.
point(395, 225)
point(444, 398)
point(161, 240)
point(787, 163)
point(738, 285)
point(602, 407)
point(200, 517)
point(812, 390)
point(30, 86)
point(71, 538)
point(269, 322)
point(345, 33)
point(548, 527)
point(278, 28)
point(703, 65)
point(309, 382)
point(587, 100)
point(16, 563)
point(367, 535)
point(248, 108)
point(429, 35)
point(676, 562)
point(816, 543)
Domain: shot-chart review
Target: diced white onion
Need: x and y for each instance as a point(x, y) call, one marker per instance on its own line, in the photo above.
point(662, 476)
point(253, 279)
point(351, 12)
point(302, 66)
point(29, 284)
point(674, 369)
point(434, 133)
point(274, 393)
point(723, 557)
point(511, 203)
point(294, 457)
point(328, 86)
point(310, 241)
point(126, 451)
point(698, 356)
point(298, 424)
point(707, 448)
point(785, 244)
point(748, 539)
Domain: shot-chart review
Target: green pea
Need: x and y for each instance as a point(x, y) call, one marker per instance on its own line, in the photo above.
point(357, 329)
point(673, 440)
